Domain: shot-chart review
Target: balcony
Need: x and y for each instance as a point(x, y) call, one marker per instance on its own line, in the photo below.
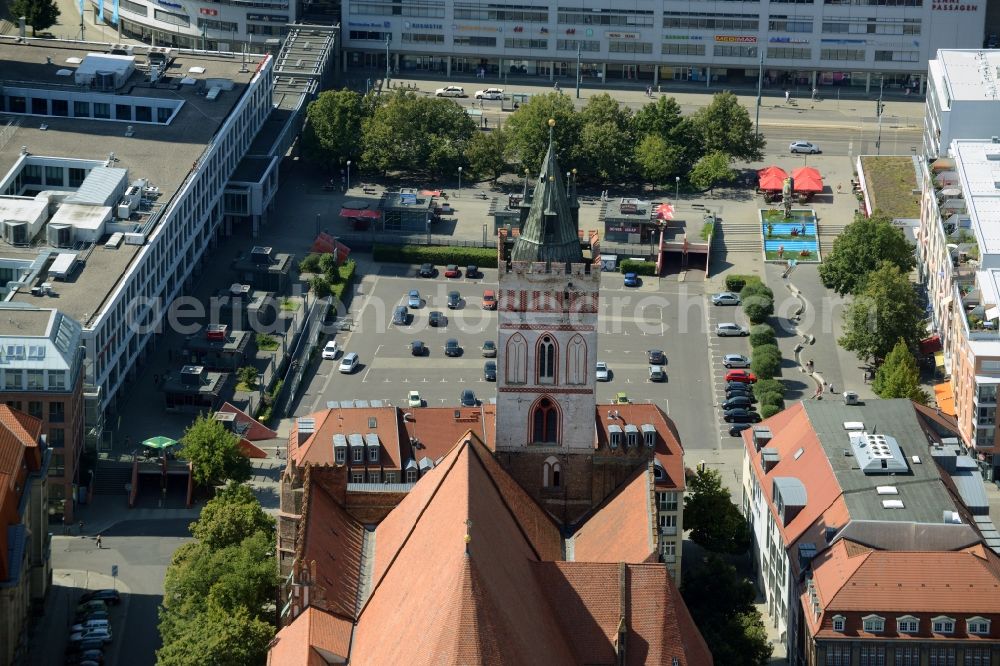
point(669, 531)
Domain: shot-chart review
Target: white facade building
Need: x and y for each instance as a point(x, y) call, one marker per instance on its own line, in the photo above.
point(963, 98)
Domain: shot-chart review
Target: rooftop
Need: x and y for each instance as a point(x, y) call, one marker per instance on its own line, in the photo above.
point(978, 167)
point(970, 74)
point(891, 185)
point(25, 322)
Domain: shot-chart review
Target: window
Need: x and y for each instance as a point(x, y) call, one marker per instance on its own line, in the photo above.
point(143, 114)
point(839, 622)
point(57, 412)
point(977, 656)
point(545, 422)
point(897, 56)
point(57, 380)
point(668, 548)
point(572, 44)
point(374, 476)
point(76, 176)
point(102, 110)
point(357, 477)
point(171, 18)
point(546, 361)
point(790, 23)
point(411, 476)
point(390, 477)
point(57, 466)
point(683, 49)
point(517, 43)
point(123, 112)
point(873, 624)
point(711, 20)
point(789, 53)
point(615, 437)
point(54, 175)
point(134, 7)
point(358, 454)
point(941, 656)
point(943, 625)
point(627, 46)
point(36, 380)
point(373, 454)
point(35, 409)
point(60, 107)
point(13, 380)
point(726, 51)
point(668, 523)
point(667, 501)
point(838, 655)
point(474, 41)
point(40, 106)
point(422, 38)
point(907, 625)
point(340, 455)
point(163, 114)
point(57, 438)
point(224, 26)
point(857, 55)
point(978, 625)
point(908, 656)
point(551, 474)
point(81, 109)
point(872, 655)
point(988, 393)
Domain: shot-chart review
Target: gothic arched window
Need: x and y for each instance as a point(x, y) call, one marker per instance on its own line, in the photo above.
point(576, 361)
point(516, 360)
point(546, 360)
point(551, 473)
point(545, 422)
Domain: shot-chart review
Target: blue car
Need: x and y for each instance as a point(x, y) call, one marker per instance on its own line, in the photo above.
point(631, 280)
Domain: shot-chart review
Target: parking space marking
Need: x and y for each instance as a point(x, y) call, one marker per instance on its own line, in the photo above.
point(370, 365)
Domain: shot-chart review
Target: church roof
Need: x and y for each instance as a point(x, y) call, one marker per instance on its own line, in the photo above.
point(549, 233)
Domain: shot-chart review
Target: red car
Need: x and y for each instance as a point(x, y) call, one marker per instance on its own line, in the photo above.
point(489, 300)
point(452, 271)
point(743, 376)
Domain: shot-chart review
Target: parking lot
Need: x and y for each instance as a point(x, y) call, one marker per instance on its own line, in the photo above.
point(718, 348)
point(664, 315)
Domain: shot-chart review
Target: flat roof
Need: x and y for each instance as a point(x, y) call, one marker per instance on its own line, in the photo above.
point(250, 169)
point(978, 166)
point(25, 322)
point(163, 154)
point(892, 185)
point(971, 74)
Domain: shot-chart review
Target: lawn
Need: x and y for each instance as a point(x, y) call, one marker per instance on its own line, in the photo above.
point(891, 184)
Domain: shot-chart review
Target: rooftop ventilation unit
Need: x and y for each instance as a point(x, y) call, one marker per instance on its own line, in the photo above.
point(191, 375)
point(887, 490)
point(216, 332)
point(854, 425)
point(892, 504)
point(59, 235)
point(952, 518)
point(877, 454)
point(261, 255)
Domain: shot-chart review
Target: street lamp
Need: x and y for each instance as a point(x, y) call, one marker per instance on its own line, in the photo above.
point(348, 174)
point(677, 188)
point(459, 181)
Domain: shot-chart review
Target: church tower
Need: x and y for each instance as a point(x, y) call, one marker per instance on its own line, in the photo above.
point(547, 347)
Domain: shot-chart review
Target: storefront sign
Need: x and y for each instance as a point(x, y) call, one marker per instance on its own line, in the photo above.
point(788, 40)
point(269, 18)
point(953, 7)
point(476, 28)
point(683, 38)
point(736, 39)
point(425, 26)
point(368, 24)
point(205, 11)
point(622, 35)
point(613, 228)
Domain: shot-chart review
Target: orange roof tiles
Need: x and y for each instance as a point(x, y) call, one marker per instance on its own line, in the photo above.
point(19, 454)
point(669, 452)
point(437, 429)
point(314, 629)
point(621, 529)
point(318, 448)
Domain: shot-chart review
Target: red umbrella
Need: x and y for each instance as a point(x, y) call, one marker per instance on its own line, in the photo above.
point(807, 179)
point(771, 178)
point(665, 211)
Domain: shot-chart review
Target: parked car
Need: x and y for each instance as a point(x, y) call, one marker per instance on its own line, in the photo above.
point(736, 393)
point(90, 624)
point(427, 271)
point(93, 656)
point(725, 298)
point(490, 371)
point(744, 376)
point(601, 372)
point(107, 595)
point(331, 349)
point(737, 428)
point(631, 279)
point(451, 271)
point(437, 319)
point(489, 349)
point(656, 357)
point(413, 300)
point(452, 348)
point(454, 300)
point(102, 634)
point(735, 361)
point(413, 399)
point(92, 615)
point(490, 93)
point(84, 646)
point(740, 416)
point(472, 272)
point(450, 91)
point(739, 401)
point(489, 300)
point(804, 147)
point(93, 605)
point(730, 329)
point(657, 373)
point(621, 398)
point(468, 398)
point(349, 363)
point(418, 348)
point(738, 387)
point(400, 315)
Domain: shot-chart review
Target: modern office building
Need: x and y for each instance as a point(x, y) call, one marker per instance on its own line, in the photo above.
point(860, 44)
point(963, 98)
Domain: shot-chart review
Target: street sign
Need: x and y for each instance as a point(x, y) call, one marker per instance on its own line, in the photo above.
point(114, 571)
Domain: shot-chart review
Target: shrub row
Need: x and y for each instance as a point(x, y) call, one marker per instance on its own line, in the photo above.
point(638, 267)
point(765, 362)
point(438, 255)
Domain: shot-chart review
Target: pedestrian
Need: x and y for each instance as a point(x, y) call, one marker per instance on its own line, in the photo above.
point(659, 88)
point(486, 123)
point(81, 528)
point(832, 390)
point(98, 541)
point(788, 96)
point(815, 91)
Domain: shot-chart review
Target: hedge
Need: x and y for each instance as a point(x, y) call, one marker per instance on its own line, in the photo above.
point(735, 282)
point(438, 255)
point(769, 386)
point(767, 411)
point(772, 399)
point(758, 307)
point(766, 365)
point(761, 334)
point(638, 267)
point(755, 287)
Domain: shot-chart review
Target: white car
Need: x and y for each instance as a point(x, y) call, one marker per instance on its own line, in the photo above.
point(490, 93)
point(736, 361)
point(730, 329)
point(657, 373)
point(348, 363)
point(102, 634)
point(331, 350)
point(601, 372)
point(413, 399)
point(803, 147)
point(450, 91)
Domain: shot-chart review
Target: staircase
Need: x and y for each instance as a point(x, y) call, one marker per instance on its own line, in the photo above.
point(827, 234)
point(110, 478)
point(733, 236)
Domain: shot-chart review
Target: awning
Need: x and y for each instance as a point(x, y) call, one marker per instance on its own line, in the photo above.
point(430, 193)
point(939, 359)
point(353, 213)
point(944, 395)
point(942, 163)
point(771, 178)
point(327, 244)
point(807, 179)
point(930, 345)
point(159, 442)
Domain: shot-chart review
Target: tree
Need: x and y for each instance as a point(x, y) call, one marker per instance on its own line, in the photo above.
point(711, 170)
point(715, 522)
point(761, 334)
point(758, 307)
point(217, 636)
point(884, 312)
point(726, 127)
point(528, 129)
point(659, 118)
point(857, 251)
point(487, 154)
point(332, 133)
point(247, 375)
point(721, 604)
point(605, 154)
point(765, 361)
point(231, 516)
point(657, 160)
point(899, 377)
point(214, 452)
point(769, 410)
point(39, 14)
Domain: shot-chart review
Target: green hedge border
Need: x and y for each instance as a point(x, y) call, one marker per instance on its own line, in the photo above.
point(438, 255)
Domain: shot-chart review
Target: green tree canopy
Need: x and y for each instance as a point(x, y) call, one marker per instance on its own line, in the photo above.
point(214, 452)
point(332, 134)
point(711, 170)
point(426, 135)
point(216, 635)
point(39, 14)
point(528, 129)
point(487, 154)
point(857, 251)
point(725, 126)
point(657, 160)
point(715, 522)
point(884, 311)
point(659, 118)
point(231, 516)
point(721, 604)
point(899, 377)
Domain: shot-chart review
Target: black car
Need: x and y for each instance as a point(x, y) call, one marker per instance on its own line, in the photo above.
point(733, 393)
point(472, 272)
point(452, 348)
point(738, 402)
point(490, 371)
point(737, 428)
point(91, 656)
point(418, 348)
point(656, 357)
point(468, 398)
point(740, 416)
point(746, 389)
point(454, 300)
point(437, 319)
point(427, 271)
point(108, 596)
point(83, 646)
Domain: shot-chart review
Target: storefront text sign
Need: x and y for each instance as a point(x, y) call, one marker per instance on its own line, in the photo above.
point(622, 35)
point(953, 7)
point(736, 39)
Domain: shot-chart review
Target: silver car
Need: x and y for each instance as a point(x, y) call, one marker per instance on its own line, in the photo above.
point(730, 329)
point(602, 374)
point(450, 91)
point(736, 361)
point(725, 298)
point(803, 147)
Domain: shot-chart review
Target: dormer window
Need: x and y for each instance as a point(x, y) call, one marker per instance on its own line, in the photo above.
point(649, 435)
point(839, 623)
point(978, 626)
point(633, 439)
point(373, 454)
point(340, 455)
point(358, 454)
point(614, 436)
point(411, 476)
point(907, 624)
point(943, 625)
point(873, 624)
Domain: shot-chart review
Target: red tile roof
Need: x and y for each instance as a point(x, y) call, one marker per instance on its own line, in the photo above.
point(621, 530)
point(257, 430)
point(313, 630)
point(317, 449)
point(19, 455)
point(437, 429)
point(669, 452)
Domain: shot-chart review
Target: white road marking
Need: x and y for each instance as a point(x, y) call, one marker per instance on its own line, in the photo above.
point(370, 365)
